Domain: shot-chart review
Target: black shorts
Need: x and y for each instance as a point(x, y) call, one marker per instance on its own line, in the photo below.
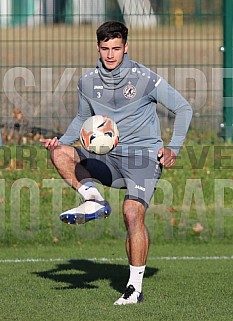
point(137, 173)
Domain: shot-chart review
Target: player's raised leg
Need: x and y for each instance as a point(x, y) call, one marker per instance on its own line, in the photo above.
point(67, 162)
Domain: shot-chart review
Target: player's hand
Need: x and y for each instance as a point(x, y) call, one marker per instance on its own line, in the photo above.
point(166, 157)
point(50, 143)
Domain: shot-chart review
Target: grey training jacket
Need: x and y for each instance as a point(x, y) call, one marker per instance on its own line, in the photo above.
point(129, 95)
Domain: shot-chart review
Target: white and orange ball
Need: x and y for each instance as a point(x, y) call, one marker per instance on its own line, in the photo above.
point(99, 134)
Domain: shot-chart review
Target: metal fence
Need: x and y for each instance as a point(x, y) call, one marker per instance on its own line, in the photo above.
point(47, 45)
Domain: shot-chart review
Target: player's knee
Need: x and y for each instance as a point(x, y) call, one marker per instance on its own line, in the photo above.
point(61, 153)
point(134, 213)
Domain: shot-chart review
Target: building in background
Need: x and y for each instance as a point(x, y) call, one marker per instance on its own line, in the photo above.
point(136, 13)
point(33, 12)
point(19, 12)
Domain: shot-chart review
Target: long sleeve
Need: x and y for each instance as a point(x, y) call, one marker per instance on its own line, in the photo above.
point(84, 111)
point(176, 103)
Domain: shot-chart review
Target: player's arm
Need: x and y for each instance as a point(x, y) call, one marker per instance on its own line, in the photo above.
point(84, 111)
point(176, 103)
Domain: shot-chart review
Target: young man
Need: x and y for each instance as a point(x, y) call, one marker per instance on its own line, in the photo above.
point(127, 92)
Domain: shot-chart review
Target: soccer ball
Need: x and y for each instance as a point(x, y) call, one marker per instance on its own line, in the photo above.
point(99, 134)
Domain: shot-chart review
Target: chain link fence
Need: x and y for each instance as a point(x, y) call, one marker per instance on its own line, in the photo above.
point(47, 45)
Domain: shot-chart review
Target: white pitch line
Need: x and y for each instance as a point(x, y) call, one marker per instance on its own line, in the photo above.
point(190, 258)
point(105, 259)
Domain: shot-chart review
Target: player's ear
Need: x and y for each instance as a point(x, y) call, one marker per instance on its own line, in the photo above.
point(98, 48)
point(126, 47)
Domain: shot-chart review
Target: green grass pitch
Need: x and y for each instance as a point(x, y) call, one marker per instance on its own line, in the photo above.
point(51, 271)
point(81, 283)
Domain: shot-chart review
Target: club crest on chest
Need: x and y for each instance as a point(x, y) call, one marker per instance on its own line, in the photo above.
point(129, 91)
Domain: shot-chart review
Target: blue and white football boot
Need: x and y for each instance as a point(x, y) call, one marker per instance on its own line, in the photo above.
point(87, 211)
point(131, 296)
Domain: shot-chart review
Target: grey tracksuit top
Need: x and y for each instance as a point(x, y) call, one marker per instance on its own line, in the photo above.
point(128, 95)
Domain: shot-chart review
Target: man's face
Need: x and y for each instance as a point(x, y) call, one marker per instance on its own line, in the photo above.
point(112, 52)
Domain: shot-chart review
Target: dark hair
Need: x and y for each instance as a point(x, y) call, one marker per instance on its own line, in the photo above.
point(112, 30)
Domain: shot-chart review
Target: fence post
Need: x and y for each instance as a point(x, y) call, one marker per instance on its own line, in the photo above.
point(228, 71)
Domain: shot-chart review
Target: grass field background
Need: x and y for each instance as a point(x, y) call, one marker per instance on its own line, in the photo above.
point(193, 201)
point(85, 281)
point(52, 271)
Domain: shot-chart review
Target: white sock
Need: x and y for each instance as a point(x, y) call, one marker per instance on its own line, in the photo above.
point(89, 191)
point(136, 276)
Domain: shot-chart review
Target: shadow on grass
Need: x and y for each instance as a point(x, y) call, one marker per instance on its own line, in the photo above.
point(81, 273)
